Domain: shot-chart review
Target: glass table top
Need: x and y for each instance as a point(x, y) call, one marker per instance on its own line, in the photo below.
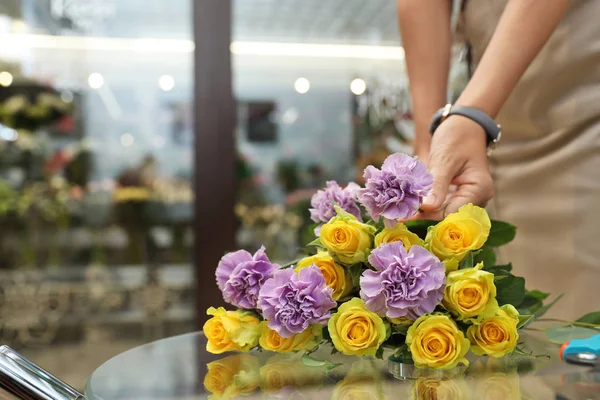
point(180, 368)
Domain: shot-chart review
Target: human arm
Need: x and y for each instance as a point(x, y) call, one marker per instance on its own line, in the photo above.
point(458, 153)
point(426, 37)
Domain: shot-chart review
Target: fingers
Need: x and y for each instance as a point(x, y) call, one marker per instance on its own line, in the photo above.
point(444, 170)
point(474, 187)
point(435, 215)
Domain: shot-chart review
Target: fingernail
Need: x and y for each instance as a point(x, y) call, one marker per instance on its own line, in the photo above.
point(429, 200)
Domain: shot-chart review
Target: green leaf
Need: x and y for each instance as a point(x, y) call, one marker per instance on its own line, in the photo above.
point(562, 334)
point(538, 295)
point(530, 304)
point(533, 301)
point(379, 353)
point(291, 263)
point(501, 234)
point(498, 272)
point(510, 290)
point(316, 242)
point(467, 262)
point(541, 311)
point(494, 268)
point(311, 362)
point(401, 329)
point(591, 318)
point(402, 355)
point(524, 320)
point(420, 226)
point(355, 272)
point(486, 255)
point(376, 224)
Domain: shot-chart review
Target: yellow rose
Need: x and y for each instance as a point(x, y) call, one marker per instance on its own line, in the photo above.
point(495, 336)
point(347, 238)
point(334, 274)
point(498, 386)
point(470, 294)
point(399, 233)
point(231, 376)
point(270, 340)
point(354, 330)
point(432, 388)
point(230, 331)
point(458, 234)
point(283, 370)
point(436, 342)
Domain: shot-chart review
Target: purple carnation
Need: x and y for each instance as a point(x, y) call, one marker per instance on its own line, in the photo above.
point(241, 275)
point(291, 301)
point(397, 189)
point(323, 201)
point(404, 284)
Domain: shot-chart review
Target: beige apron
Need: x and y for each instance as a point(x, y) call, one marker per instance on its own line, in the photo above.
point(547, 167)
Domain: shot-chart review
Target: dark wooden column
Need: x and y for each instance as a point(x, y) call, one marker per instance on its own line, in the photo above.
point(214, 181)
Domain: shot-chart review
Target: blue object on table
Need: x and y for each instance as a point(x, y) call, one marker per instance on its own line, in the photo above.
point(582, 351)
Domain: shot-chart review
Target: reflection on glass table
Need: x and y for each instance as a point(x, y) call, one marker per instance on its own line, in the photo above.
point(180, 368)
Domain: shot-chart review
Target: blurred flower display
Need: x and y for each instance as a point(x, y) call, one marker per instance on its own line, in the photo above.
point(29, 106)
point(270, 225)
point(47, 195)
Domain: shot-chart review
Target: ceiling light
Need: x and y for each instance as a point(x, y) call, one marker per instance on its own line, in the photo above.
point(153, 45)
point(127, 140)
point(358, 86)
point(317, 50)
point(166, 83)
point(302, 85)
point(95, 80)
point(89, 43)
point(6, 79)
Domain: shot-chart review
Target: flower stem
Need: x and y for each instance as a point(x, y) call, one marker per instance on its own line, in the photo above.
point(575, 323)
point(534, 329)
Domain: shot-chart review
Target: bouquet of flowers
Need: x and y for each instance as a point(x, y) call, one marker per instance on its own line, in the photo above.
point(428, 291)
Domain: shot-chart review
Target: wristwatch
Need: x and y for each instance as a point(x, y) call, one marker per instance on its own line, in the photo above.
point(492, 130)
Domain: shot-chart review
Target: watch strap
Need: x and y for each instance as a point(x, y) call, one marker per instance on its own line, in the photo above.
point(492, 130)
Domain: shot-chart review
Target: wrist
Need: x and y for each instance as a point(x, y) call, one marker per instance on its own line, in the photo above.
point(467, 125)
point(462, 133)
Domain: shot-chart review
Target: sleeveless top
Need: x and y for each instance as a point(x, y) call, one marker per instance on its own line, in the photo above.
point(546, 169)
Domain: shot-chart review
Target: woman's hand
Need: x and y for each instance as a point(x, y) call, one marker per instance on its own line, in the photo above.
point(459, 165)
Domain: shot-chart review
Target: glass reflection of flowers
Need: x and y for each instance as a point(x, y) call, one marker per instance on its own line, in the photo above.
point(498, 386)
point(441, 388)
point(242, 374)
point(430, 292)
point(232, 376)
point(363, 381)
point(288, 371)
